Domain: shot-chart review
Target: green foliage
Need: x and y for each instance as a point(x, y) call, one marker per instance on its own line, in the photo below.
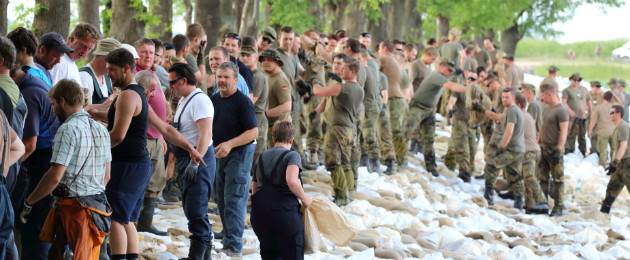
point(144, 16)
point(25, 15)
point(291, 12)
point(106, 16)
point(553, 49)
point(372, 9)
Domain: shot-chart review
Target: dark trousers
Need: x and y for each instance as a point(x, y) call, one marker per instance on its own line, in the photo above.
point(277, 222)
point(33, 248)
point(195, 195)
point(6, 220)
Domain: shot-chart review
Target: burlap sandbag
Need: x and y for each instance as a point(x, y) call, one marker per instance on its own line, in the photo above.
point(474, 94)
point(332, 222)
point(313, 242)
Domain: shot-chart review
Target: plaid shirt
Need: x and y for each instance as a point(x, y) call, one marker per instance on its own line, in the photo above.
point(82, 140)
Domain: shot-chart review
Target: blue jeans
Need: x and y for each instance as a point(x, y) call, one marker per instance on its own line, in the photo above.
point(36, 166)
point(195, 196)
point(232, 189)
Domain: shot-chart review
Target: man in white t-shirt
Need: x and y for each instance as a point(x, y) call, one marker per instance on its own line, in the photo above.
point(94, 74)
point(193, 119)
point(82, 41)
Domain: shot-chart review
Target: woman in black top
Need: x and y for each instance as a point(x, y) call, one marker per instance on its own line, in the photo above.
point(276, 217)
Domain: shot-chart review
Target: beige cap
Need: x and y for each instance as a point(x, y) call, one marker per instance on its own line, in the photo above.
point(130, 49)
point(105, 46)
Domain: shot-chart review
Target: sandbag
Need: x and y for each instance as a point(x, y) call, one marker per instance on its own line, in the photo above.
point(313, 242)
point(332, 222)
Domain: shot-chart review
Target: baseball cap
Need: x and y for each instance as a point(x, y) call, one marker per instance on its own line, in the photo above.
point(55, 40)
point(249, 50)
point(596, 83)
point(105, 46)
point(553, 68)
point(130, 49)
point(447, 63)
point(270, 34)
point(272, 54)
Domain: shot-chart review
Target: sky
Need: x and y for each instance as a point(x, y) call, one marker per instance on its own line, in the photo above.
point(590, 23)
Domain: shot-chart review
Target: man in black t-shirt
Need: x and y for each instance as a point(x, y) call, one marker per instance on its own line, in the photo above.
point(234, 130)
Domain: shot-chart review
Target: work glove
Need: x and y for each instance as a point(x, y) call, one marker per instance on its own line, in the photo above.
point(190, 174)
point(304, 87)
point(25, 211)
point(478, 107)
point(612, 167)
point(451, 112)
point(202, 44)
point(334, 77)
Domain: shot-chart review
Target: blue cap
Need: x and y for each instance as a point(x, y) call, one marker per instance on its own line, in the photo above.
point(55, 40)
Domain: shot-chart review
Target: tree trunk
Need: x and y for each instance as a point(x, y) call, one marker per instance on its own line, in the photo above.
point(356, 22)
point(412, 23)
point(188, 16)
point(245, 17)
point(340, 15)
point(329, 17)
point(210, 19)
point(378, 28)
point(509, 38)
point(89, 13)
point(267, 14)
point(249, 18)
point(54, 16)
point(315, 11)
point(238, 7)
point(163, 30)
point(4, 19)
point(442, 27)
point(226, 16)
point(395, 20)
point(124, 27)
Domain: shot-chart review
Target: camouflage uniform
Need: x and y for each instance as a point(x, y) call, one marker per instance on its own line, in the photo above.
point(370, 144)
point(602, 148)
point(548, 167)
point(385, 133)
point(398, 109)
point(261, 140)
point(487, 127)
point(297, 141)
point(534, 194)
point(355, 156)
point(511, 162)
point(338, 143)
point(423, 120)
point(314, 132)
point(463, 140)
point(619, 179)
point(577, 129)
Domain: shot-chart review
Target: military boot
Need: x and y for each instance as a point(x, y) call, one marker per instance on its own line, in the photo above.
point(434, 172)
point(376, 166)
point(145, 220)
point(312, 162)
point(197, 250)
point(412, 146)
point(208, 254)
point(364, 161)
point(540, 208)
point(169, 193)
point(607, 205)
point(518, 202)
point(489, 196)
point(419, 148)
point(506, 195)
point(390, 167)
point(320, 156)
point(465, 176)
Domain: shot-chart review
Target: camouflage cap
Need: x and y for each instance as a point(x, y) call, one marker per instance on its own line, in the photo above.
point(447, 63)
point(270, 34)
point(509, 57)
point(249, 50)
point(612, 82)
point(576, 76)
point(528, 86)
point(271, 53)
point(553, 68)
point(622, 83)
point(596, 83)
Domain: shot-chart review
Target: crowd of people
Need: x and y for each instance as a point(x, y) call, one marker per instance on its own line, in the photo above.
point(89, 152)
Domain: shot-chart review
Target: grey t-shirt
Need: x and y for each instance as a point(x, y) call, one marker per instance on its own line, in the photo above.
point(277, 178)
point(621, 133)
point(192, 62)
point(517, 142)
point(430, 90)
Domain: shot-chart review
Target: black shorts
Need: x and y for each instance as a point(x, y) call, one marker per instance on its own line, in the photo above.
point(125, 189)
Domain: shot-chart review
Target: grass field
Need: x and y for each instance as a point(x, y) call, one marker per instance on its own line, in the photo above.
point(545, 48)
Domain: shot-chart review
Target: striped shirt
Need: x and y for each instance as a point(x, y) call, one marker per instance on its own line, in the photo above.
point(82, 140)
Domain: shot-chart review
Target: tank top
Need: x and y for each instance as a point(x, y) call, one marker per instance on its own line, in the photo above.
point(134, 146)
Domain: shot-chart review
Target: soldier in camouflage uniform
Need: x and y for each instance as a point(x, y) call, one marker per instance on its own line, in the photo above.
point(423, 105)
point(552, 136)
point(372, 102)
point(384, 129)
point(340, 112)
point(535, 201)
point(314, 74)
point(619, 167)
point(508, 151)
point(249, 56)
point(462, 139)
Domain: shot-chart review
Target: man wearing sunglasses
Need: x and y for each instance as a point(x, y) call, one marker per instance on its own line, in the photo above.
point(619, 167)
point(266, 38)
point(573, 100)
point(232, 42)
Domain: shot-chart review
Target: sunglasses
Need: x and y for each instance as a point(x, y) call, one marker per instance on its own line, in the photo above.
point(578, 80)
point(612, 112)
point(172, 82)
point(366, 35)
point(471, 78)
point(232, 35)
point(267, 40)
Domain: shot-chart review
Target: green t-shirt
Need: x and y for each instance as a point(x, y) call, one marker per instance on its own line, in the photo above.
point(573, 97)
point(535, 110)
point(483, 56)
point(383, 80)
point(343, 108)
point(405, 80)
point(461, 113)
point(261, 91)
point(430, 90)
point(552, 117)
point(372, 93)
point(450, 51)
point(9, 86)
point(419, 71)
point(621, 133)
point(288, 67)
point(279, 92)
point(517, 142)
point(192, 62)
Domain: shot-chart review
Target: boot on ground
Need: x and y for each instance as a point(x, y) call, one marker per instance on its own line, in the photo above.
point(434, 172)
point(390, 167)
point(540, 208)
point(506, 195)
point(376, 166)
point(145, 220)
point(489, 196)
point(197, 250)
point(169, 193)
point(518, 202)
